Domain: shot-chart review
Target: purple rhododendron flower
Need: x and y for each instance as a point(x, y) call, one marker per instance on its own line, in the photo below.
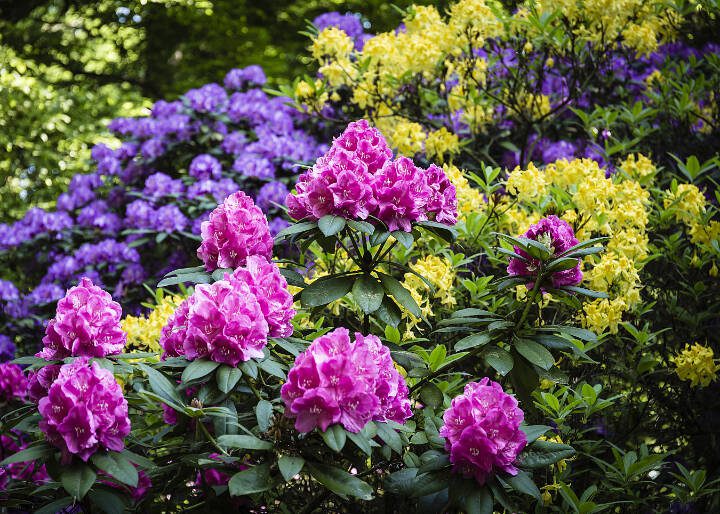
point(271, 290)
point(559, 237)
point(222, 322)
point(270, 194)
point(159, 185)
point(84, 411)
point(7, 348)
point(13, 384)
point(236, 229)
point(241, 77)
point(482, 431)
point(39, 381)
point(339, 381)
point(86, 323)
point(8, 291)
point(205, 167)
point(357, 178)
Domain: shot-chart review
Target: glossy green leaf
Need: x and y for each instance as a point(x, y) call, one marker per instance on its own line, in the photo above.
point(323, 291)
point(330, 224)
point(368, 293)
point(77, 479)
point(290, 466)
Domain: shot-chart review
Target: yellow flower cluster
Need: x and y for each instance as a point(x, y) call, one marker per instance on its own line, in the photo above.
point(440, 143)
point(696, 364)
point(469, 199)
point(402, 134)
point(440, 273)
point(143, 333)
point(689, 206)
point(615, 207)
point(638, 167)
point(639, 24)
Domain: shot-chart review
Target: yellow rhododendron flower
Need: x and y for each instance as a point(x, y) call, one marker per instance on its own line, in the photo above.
point(696, 364)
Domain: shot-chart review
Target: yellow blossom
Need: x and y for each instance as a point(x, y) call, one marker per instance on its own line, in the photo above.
point(527, 184)
point(332, 42)
point(143, 333)
point(695, 363)
point(440, 143)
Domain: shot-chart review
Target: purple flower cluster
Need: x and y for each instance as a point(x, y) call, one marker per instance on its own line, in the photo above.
point(84, 410)
point(349, 23)
point(237, 228)
point(358, 178)
point(36, 222)
point(20, 471)
point(7, 348)
point(339, 381)
point(87, 323)
point(229, 321)
point(240, 78)
point(559, 237)
point(482, 431)
point(13, 384)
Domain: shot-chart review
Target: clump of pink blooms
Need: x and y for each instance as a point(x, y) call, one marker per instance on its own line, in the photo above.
point(40, 381)
point(86, 323)
point(337, 380)
point(85, 410)
point(358, 178)
point(215, 477)
point(236, 229)
point(559, 237)
point(482, 431)
point(13, 384)
point(21, 471)
point(230, 320)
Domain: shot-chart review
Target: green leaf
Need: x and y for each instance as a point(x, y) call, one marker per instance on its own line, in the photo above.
point(117, 466)
point(544, 453)
point(292, 277)
point(55, 507)
point(532, 432)
point(195, 278)
point(584, 291)
point(330, 224)
point(389, 313)
point(77, 480)
point(361, 442)
point(390, 436)
point(323, 291)
point(340, 482)
point(397, 290)
point(471, 498)
point(198, 369)
point(379, 237)
point(335, 437)
point(443, 231)
point(523, 483)
point(562, 264)
point(498, 359)
point(250, 368)
point(431, 395)
point(138, 459)
point(253, 480)
point(472, 341)
point(110, 502)
point(404, 238)
point(245, 442)
point(272, 367)
point(219, 274)
point(535, 353)
point(368, 293)
point(296, 228)
point(361, 226)
point(263, 413)
point(290, 466)
point(227, 377)
point(161, 385)
point(28, 454)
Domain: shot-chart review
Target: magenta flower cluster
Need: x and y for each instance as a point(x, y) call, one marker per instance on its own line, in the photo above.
point(339, 381)
point(85, 410)
point(559, 237)
point(236, 229)
point(13, 384)
point(86, 323)
point(358, 178)
point(482, 431)
point(229, 321)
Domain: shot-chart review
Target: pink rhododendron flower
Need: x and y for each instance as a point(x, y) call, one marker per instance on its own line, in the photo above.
point(222, 322)
point(13, 384)
point(86, 323)
point(236, 229)
point(482, 431)
point(85, 410)
point(559, 237)
point(358, 178)
point(339, 381)
point(271, 290)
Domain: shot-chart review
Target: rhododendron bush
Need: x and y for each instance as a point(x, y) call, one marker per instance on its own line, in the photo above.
point(487, 282)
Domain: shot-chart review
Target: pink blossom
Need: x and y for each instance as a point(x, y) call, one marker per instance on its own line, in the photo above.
point(339, 381)
point(558, 235)
point(482, 431)
point(40, 381)
point(86, 323)
point(271, 291)
point(358, 178)
point(84, 411)
point(236, 229)
point(222, 322)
